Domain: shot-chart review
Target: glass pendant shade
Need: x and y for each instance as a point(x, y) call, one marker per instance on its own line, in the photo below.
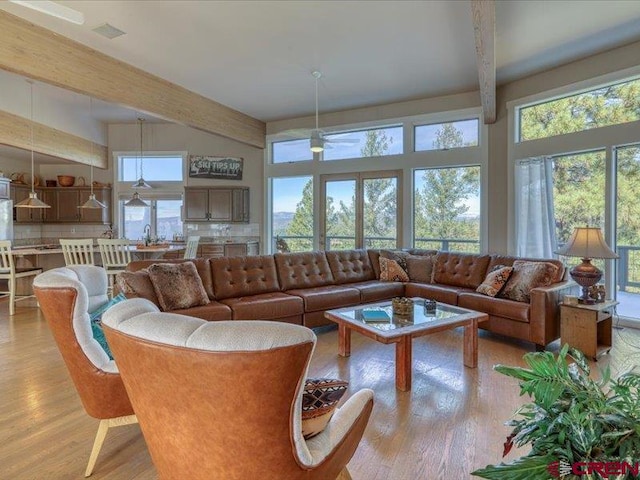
point(136, 201)
point(32, 201)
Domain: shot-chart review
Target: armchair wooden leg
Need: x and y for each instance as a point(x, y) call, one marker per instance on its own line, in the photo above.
point(103, 428)
point(344, 475)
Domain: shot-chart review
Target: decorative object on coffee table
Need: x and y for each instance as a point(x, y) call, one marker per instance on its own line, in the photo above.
point(430, 306)
point(402, 306)
point(587, 243)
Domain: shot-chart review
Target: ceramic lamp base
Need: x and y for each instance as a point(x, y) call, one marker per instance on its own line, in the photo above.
point(586, 275)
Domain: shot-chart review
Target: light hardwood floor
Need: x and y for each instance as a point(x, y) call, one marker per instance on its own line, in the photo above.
point(449, 424)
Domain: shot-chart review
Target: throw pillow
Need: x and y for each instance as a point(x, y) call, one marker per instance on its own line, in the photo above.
point(495, 281)
point(319, 401)
point(527, 276)
point(137, 285)
point(96, 323)
point(420, 268)
point(177, 285)
point(392, 271)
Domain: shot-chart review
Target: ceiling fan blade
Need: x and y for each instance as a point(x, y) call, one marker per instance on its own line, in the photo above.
point(342, 140)
point(295, 133)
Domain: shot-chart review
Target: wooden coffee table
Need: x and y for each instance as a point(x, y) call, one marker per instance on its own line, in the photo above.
point(401, 329)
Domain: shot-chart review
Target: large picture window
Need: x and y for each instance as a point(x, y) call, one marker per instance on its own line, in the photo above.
point(447, 209)
point(292, 213)
point(444, 136)
point(162, 215)
point(610, 105)
point(159, 168)
point(373, 142)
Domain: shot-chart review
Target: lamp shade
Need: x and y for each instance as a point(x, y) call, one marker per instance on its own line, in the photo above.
point(587, 242)
point(136, 201)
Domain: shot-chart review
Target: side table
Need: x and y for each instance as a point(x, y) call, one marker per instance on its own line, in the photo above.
point(587, 327)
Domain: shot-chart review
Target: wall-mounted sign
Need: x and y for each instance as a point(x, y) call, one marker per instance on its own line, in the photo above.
point(205, 166)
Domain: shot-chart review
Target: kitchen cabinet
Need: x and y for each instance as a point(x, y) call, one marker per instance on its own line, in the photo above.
point(25, 215)
point(216, 204)
point(64, 202)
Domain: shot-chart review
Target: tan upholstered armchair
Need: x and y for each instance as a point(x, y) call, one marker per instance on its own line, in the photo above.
point(66, 296)
point(223, 400)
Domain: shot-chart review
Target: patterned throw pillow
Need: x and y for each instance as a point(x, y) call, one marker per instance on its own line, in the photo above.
point(177, 285)
point(96, 323)
point(495, 280)
point(392, 271)
point(527, 276)
point(319, 401)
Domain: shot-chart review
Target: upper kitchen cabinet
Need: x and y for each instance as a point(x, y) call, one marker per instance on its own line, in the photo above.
point(64, 202)
point(216, 204)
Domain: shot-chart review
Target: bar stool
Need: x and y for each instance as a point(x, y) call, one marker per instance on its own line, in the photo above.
point(116, 256)
point(191, 251)
point(9, 272)
point(78, 251)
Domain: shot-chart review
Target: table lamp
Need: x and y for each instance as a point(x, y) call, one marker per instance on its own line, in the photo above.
point(587, 243)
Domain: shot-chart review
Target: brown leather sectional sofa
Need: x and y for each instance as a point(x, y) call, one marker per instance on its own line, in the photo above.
point(300, 287)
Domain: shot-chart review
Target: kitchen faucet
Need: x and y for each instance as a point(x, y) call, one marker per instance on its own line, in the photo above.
point(147, 234)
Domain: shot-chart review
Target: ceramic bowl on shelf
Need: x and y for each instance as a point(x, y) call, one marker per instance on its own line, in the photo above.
point(66, 180)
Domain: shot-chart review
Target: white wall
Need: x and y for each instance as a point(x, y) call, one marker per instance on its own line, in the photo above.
point(164, 137)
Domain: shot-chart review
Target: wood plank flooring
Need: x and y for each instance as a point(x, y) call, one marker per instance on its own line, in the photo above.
point(449, 424)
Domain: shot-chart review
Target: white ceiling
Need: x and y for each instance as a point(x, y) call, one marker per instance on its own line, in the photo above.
point(256, 56)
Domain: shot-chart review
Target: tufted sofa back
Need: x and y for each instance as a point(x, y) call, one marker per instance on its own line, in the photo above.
point(303, 270)
point(350, 266)
point(243, 276)
point(459, 269)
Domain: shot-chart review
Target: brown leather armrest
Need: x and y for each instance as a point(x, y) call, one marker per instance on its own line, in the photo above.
point(545, 310)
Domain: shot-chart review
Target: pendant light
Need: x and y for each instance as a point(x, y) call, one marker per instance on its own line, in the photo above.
point(136, 201)
point(141, 183)
point(32, 201)
point(92, 202)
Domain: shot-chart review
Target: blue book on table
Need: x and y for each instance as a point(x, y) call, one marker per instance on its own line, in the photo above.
point(375, 316)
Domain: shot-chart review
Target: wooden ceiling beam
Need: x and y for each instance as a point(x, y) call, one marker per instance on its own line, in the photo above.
point(16, 132)
point(40, 54)
point(484, 27)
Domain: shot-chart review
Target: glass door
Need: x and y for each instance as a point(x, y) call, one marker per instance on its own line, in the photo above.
point(360, 210)
point(628, 230)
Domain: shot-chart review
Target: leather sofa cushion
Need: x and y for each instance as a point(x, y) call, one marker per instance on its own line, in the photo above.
point(460, 269)
point(211, 312)
point(349, 266)
point(267, 306)
point(439, 293)
point(374, 290)
point(374, 258)
point(497, 307)
point(421, 251)
point(508, 261)
point(243, 276)
point(303, 270)
point(326, 298)
point(202, 265)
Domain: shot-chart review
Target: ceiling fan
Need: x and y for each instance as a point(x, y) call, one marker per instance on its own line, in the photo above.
point(317, 138)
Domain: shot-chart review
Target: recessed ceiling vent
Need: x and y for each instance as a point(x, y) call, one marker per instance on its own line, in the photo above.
point(108, 31)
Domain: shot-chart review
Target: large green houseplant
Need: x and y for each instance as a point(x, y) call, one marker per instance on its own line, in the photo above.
point(577, 427)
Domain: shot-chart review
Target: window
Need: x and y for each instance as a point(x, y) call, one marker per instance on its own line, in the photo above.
point(447, 209)
point(155, 168)
point(291, 151)
point(374, 142)
point(610, 105)
point(162, 216)
point(444, 136)
point(292, 213)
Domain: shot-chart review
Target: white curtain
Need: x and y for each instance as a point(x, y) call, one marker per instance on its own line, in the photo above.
point(535, 224)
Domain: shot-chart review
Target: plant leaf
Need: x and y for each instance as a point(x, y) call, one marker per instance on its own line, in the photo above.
point(526, 468)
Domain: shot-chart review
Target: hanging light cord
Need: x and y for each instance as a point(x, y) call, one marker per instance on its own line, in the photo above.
point(91, 146)
point(317, 76)
point(33, 175)
point(141, 158)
